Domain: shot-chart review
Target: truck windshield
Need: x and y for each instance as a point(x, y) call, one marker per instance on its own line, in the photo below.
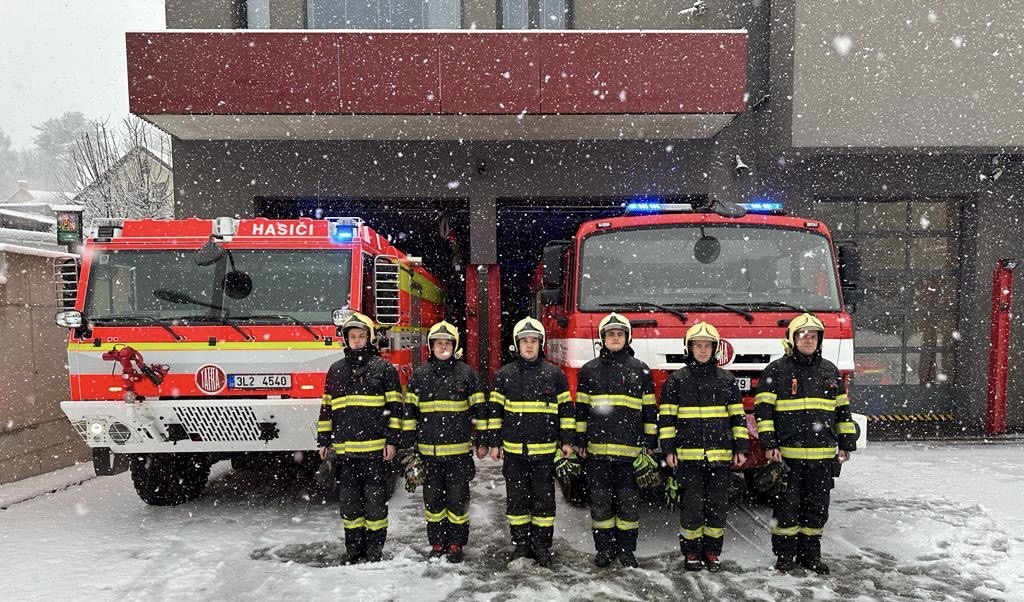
point(303, 284)
point(748, 267)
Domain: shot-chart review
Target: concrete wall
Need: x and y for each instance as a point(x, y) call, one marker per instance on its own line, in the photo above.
point(35, 436)
point(874, 73)
point(206, 14)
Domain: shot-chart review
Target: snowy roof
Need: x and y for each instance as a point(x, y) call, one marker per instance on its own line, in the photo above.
point(35, 217)
point(41, 241)
point(20, 250)
point(119, 163)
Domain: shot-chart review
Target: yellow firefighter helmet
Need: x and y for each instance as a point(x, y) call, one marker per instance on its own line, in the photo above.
point(804, 321)
point(615, 321)
point(357, 320)
point(703, 331)
point(527, 327)
point(443, 330)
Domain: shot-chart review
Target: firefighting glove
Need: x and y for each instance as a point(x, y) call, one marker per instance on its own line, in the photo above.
point(567, 468)
point(671, 492)
point(646, 472)
point(415, 471)
point(325, 473)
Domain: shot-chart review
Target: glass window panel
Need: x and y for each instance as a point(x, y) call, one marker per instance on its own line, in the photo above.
point(383, 14)
point(257, 14)
point(883, 292)
point(926, 329)
point(889, 253)
point(933, 253)
point(937, 216)
point(515, 14)
point(931, 291)
point(929, 368)
point(878, 369)
point(883, 216)
point(840, 217)
point(878, 330)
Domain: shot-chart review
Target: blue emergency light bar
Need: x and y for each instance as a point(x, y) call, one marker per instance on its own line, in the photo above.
point(763, 207)
point(344, 229)
point(641, 207)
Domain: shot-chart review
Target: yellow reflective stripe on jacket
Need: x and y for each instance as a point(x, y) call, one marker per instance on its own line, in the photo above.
point(370, 401)
point(613, 449)
point(621, 523)
point(735, 409)
point(582, 397)
point(765, 397)
point(696, 454)
point(444, 405)
point(395, 423)
point(691, 534)
point(808, 453)
point(324, 426)
point(356, 447)
point(325, 400)
point(650, 428)
point(494, 424)
point(393, 396)
point(805, 403)
point(668, 409)
point(622, 401)
point(766, 426)
point(447, 449)
point(716, 532)
point(648, 399)
point(667, 432)
point(409, 425)
point(533, 449)
point(530, 407)
point(476, 398)
point(702, 412)
point(568, 423)
point(563, 397)
point(842, 399)
point(846, 428)
point(412, 399)
point(740, 432)
point(498, 398)
point(602, 524)
point(581, 427)
point(542, 521)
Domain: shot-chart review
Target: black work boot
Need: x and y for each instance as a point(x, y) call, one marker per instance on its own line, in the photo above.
point(814, 563)
point(455, 554)
point(374, 553)
point(627, 559)
point(712, 563)
point(521, 550)
point(786, 563)
point(352, 556)
point(543, 556)
point(692, 562)
point(604, 558)
point(436, 551)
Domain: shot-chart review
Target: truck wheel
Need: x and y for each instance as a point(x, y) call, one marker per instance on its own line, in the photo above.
point(169, 479)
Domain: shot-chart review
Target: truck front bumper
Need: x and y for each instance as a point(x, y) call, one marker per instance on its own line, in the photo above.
point(194, 425)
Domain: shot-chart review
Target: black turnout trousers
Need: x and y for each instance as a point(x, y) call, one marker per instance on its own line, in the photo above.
point(446, 499)
point(530, 487)
point(362, 496)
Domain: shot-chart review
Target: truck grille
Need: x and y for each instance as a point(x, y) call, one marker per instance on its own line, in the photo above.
point(219, 423)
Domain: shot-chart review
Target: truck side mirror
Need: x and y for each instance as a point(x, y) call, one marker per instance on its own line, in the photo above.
point(554, 273)
point(551, 296)
point(848, 257)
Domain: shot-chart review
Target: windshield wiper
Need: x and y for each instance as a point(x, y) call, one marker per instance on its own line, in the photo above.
point(150, 319)
point(746, 314)
point(637, 304)
point(779, 304)
point(290, 318)
point(217, 319)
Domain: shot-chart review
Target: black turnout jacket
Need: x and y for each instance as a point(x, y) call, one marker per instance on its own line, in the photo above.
point(443, 401)
point(361, 411)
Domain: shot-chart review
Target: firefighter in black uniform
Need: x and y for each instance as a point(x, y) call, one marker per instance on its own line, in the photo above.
point(531, 422)
point(361, 418)
point(702, 427)
point(803, 413)
point(443, 402)
point(616, 420)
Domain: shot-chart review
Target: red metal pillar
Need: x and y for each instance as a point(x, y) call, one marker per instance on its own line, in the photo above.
point(483, 319)
point(999, 346)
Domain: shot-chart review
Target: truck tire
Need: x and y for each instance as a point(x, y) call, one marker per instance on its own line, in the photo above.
point(169, 479)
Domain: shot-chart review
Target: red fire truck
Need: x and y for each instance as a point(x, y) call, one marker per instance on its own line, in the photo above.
point(198, 340)
point(747, 270)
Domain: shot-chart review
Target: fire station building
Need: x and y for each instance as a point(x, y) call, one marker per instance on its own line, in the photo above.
point(473, 131)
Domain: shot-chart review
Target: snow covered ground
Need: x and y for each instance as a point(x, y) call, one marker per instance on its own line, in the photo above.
point(910, 521)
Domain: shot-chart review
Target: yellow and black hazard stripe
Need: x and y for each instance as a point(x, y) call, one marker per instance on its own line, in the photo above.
point(930, 417)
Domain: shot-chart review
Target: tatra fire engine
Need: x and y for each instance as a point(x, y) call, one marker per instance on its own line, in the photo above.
point(202, 339)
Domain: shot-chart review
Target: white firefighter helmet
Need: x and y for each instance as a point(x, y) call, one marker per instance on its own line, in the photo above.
point(527, 327)
point(703, 331)
point(614, 321)
point(357, 320)
point(443, 331)
point(804, 321)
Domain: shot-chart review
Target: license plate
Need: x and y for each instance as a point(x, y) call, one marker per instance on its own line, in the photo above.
point(259, 381)
point(743, 382)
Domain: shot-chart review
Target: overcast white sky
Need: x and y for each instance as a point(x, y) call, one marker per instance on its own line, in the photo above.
point(66, 55)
